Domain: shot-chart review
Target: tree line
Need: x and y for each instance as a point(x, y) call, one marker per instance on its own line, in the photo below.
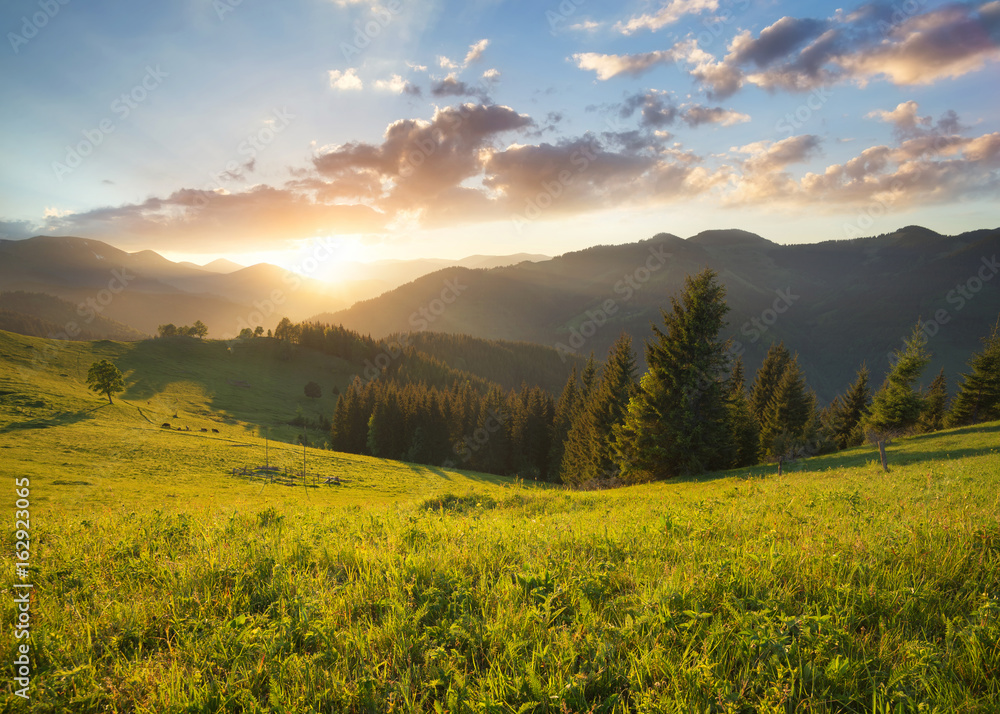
point(691, 412)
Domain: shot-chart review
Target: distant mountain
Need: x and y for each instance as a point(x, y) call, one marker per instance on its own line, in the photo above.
point(40, 315)
point(145, 290)
point(377, 277)
point(838, 303)
point(221, 265)
point(149, 290)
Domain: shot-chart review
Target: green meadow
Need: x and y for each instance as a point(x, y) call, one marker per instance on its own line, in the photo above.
point(163, 583)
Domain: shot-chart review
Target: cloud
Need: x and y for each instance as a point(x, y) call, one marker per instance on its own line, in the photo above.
point(608, 66)
point(670, 13)
point(586, 26)
point(475, 52)
point(421, 163)
point(948, 42)
point(451, 86)
point(697, 114)
point(929, 164)
point(773, 156)
point(583, 175)
point(875, 42)
point(18, 230)
point(190, 219)
point(657, 110)
point(345, 81)
point(397, 85)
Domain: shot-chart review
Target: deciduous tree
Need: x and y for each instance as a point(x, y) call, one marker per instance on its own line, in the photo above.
point(105, 378)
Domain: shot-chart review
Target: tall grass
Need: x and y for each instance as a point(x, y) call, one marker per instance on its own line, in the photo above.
point(830, 589)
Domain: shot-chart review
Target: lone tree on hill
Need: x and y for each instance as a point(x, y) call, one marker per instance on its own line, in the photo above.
point(897, 405)
point(104, 378)
point(313, 390)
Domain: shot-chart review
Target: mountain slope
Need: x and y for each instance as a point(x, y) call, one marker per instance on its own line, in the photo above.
point(837, 304)
point(145, 290)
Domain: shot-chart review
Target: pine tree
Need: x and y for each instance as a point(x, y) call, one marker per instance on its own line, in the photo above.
point(935, 406)
point(742, 424)
point(841, 420)
point(561, 424)
point(577, 451)
point(978, 397)
point(611, 400)
point(677, 421)
point(767, 379)
point(897, 406)
point(788, 426)
point(589, 453)
point(580, 456)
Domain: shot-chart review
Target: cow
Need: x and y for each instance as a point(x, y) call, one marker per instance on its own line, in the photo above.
point(215, 431)
point(165, 425)
point(203, 429)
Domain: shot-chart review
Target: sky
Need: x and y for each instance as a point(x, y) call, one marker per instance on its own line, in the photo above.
point(399, 129)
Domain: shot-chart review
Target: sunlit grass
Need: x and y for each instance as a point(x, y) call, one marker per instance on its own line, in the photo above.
point(164, 584)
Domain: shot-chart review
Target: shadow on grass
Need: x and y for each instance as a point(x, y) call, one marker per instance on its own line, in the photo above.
point(60, 419)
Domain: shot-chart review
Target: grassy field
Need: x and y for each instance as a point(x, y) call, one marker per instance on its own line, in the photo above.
point(161, 583)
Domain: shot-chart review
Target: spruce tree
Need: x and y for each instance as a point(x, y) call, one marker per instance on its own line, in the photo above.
point(677, 421)
point(617, 386)
point(576, 448)
point(788, 425)
point(580, 456)
point(561, 423)
point(978, 397)
point(935, 406)
point(767, 379)
point(742, 424)
point(842, 419)
point(896, 407)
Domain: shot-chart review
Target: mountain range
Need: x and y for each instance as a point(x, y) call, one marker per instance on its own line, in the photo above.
point(144, 290)
point(838, 304)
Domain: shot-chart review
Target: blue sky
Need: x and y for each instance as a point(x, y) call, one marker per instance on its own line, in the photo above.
point(436, 129)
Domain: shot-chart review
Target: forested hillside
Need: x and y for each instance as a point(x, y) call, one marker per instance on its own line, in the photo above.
point(836, 304)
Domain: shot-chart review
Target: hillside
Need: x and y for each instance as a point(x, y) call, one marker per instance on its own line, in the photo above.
point(837, 304)
point(832, 588)
point(145, 290)
point(148, 290)
point(40, 315)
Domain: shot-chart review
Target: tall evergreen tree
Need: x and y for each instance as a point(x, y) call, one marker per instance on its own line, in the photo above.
point(561, 424)
point(742, 424)
point(978, 397)
point(768, 376)
point(589, 453)
point(788, 425)
point(841, 420)
point(677, 421)
point(618, 384)
point(935, 406)
point(897, 405)
point(854, 405)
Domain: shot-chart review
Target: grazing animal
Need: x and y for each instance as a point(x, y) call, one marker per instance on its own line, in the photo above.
point(204, 429)
point(215, 431)
point(187, 428)
point(165, 425)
